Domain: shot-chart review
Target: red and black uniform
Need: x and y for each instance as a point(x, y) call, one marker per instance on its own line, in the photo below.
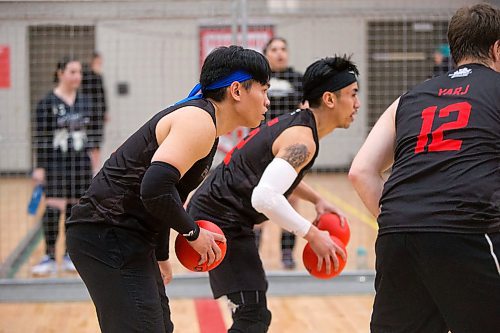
point(225, 199)
point(440, 209)
point(115, 241)
point(446, 175)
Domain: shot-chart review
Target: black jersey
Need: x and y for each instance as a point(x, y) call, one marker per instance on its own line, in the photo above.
point(227, 191)
point(446, 173)
point(60, 142)
point(60, 128)
point(114, 195)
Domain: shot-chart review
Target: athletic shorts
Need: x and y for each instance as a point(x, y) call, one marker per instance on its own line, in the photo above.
point(241, 269)
point(437, 282)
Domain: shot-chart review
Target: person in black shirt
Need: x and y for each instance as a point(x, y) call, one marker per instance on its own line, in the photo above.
point(93, 87)
point(438, 243)
point(61, 155)
point(252, 183)
point(285, 94)
point(118, 233)
point(285, 91)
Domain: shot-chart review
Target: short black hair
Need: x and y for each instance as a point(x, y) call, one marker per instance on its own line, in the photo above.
point(322, 70)
point(225, 60)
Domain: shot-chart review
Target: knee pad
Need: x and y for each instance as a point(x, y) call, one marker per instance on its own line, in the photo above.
point(250, 316)
point(253, 318)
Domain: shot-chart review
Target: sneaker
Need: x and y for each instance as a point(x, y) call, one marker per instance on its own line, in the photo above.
point(287, 259)
point(67, 264)
point(46, 266)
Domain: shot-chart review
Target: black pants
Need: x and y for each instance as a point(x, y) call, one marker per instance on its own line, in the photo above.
point(435, 282)
point(241, 268)
point(122, 276)
point(50, 224)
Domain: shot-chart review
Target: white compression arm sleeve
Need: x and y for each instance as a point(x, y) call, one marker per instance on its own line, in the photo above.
point(268, 198)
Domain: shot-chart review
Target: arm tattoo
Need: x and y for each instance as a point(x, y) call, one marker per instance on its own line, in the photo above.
point(296, 154)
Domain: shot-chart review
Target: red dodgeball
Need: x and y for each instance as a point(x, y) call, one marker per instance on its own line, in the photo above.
point(331, 223)
point(310, 260)
point(188, 256)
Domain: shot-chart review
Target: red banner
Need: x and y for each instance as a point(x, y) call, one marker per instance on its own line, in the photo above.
point(4, 66)
point(215, 36)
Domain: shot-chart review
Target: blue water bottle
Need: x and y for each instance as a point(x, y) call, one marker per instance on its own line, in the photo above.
point(36, 197)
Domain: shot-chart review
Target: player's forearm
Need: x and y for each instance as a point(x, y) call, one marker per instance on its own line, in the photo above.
point(369, 186)
point(375, 156)
point(161, 199)
point(266, 200)
point(268, 197)
point(307, 193)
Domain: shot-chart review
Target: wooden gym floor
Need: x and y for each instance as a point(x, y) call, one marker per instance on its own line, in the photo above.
point(297, 313)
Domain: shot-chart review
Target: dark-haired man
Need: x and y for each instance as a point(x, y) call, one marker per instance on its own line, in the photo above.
point(118, 233)
point(256, 177)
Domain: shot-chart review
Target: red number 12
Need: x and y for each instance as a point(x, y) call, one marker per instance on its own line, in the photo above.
point(438, 142)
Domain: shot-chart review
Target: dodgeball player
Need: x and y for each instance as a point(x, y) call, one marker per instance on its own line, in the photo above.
point(439, 212)
point(118, 233)
point(252, 183)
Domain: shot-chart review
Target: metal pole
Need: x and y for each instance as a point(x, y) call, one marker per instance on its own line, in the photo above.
point(244, 23)
point(234, 22)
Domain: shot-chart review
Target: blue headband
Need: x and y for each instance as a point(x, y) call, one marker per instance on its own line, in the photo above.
point(238, 76)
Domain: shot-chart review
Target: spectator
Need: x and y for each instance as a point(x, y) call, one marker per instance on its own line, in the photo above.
point(93, 87)
point(61, 155)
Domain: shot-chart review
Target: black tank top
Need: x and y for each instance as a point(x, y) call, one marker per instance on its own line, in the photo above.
point(227, 191)
point(114, 195)
point(446, 173)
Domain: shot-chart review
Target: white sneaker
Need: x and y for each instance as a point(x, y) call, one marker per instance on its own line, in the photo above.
point(67, 264)
point(46, 266)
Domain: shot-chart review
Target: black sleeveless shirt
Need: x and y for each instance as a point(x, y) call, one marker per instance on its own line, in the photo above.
point(446, 173)
point(227, 191)
point(114, 195)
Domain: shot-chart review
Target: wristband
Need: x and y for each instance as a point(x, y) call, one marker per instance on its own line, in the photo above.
point(193, 234)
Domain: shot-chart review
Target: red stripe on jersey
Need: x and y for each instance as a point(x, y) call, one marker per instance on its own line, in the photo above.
point(272, 122)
